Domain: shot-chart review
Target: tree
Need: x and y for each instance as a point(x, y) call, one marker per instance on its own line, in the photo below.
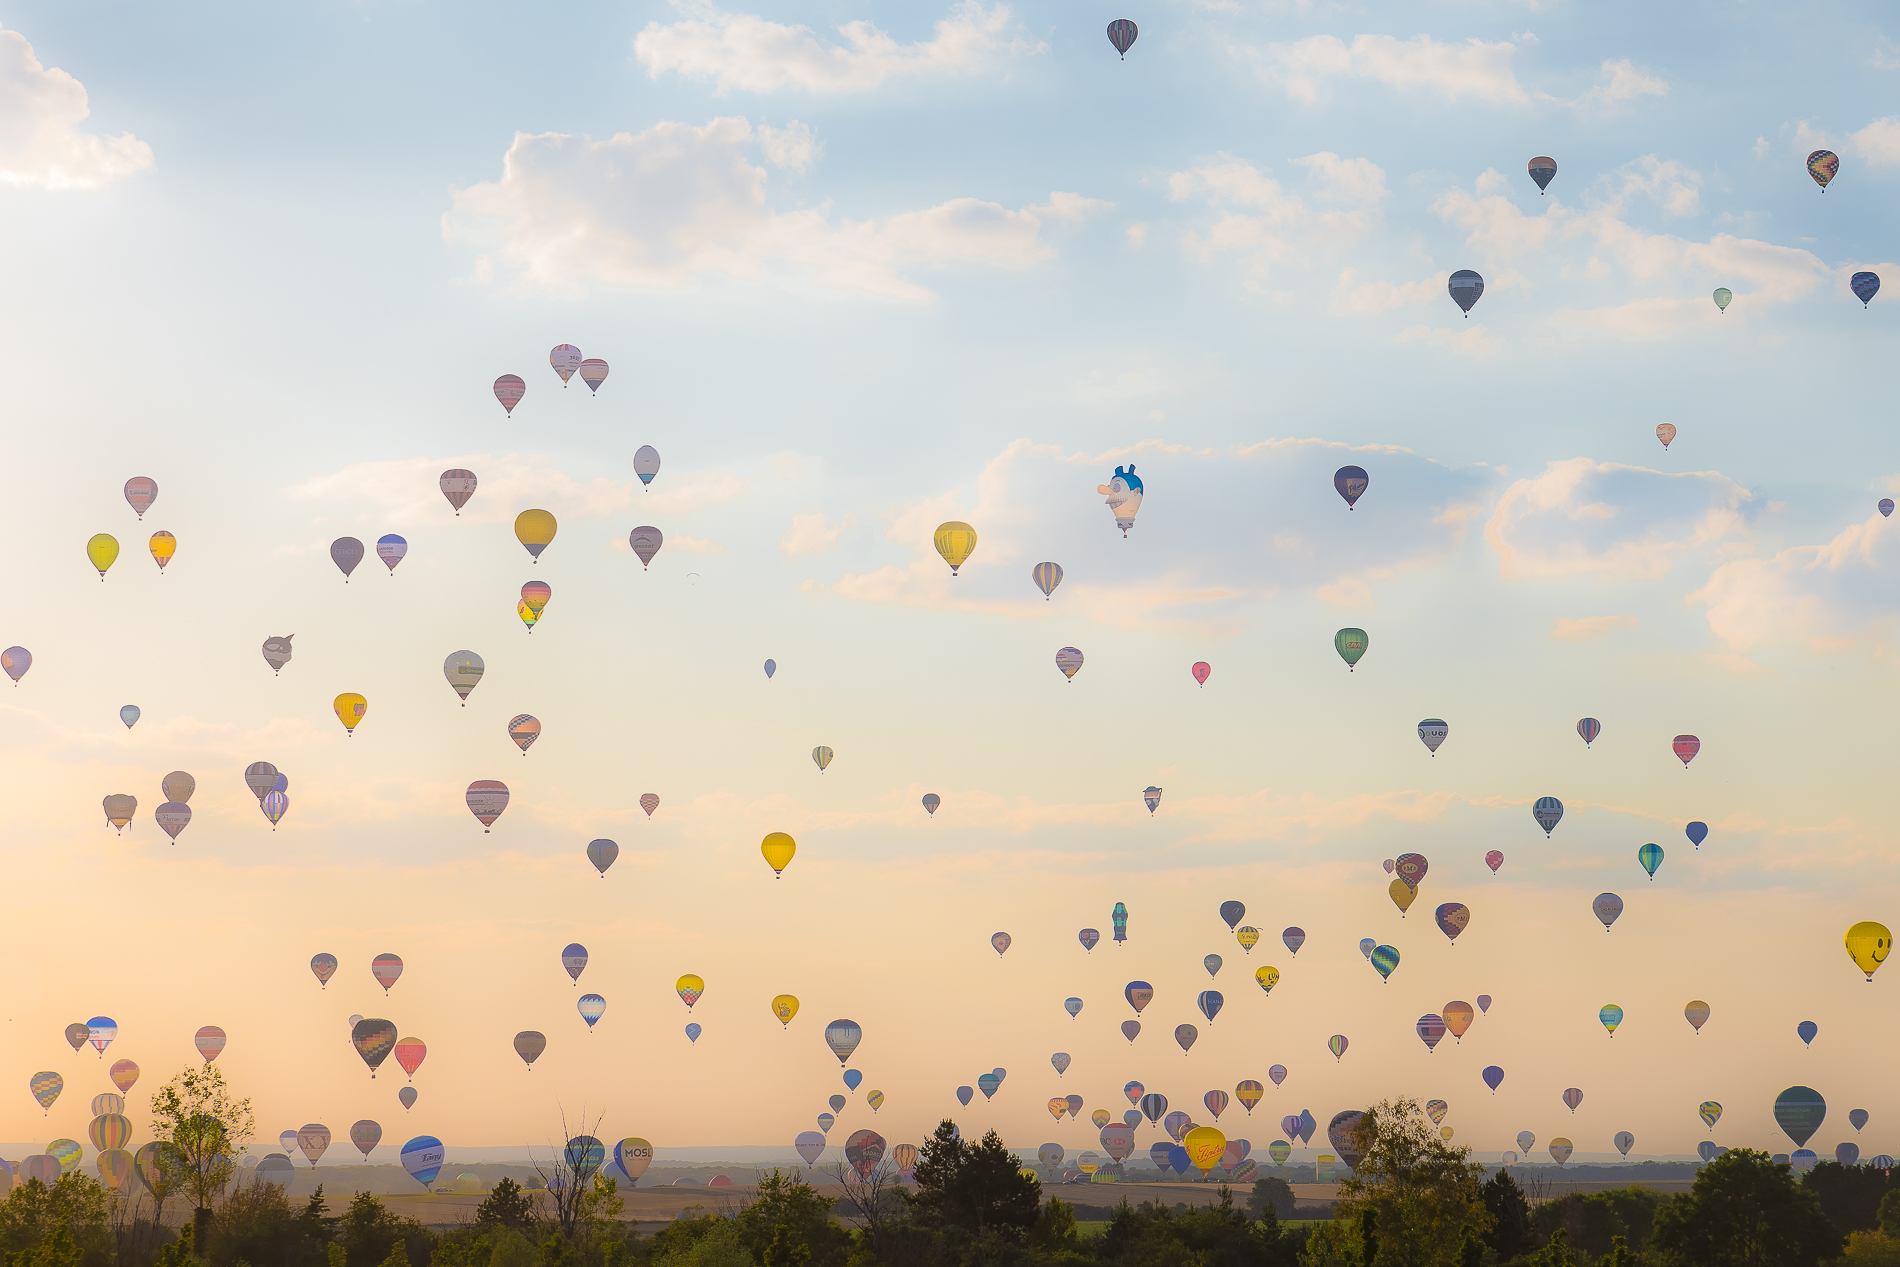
point(202, 1129)
point(507, 1206)
point(1510, 1233)
point(979, 1187)
point(56, 1249)
point(74, 1205)
point(1850, 1196)
point(1745, 1210)
point(369, 1233)
point(1556, 1253)
point(1422, 1192)
point(1594, 1220)
point(1889, 1214)
point(1272, 1193)
point(1619, 1255)
point(790, 1214)
point(570, 1179)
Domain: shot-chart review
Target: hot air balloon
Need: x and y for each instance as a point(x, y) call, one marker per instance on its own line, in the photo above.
point(1210, 1003)
point(1276, 1074)
point(46, 1086)
point(1710, 1112)
point(1560, 1150)
point(1686, 746)
point(346, 553)
point(1351, 645)
point(1411, 868)
point(646, 541)
point(1697, 833)
point(1666, 432)
point(1248, 937)
point(509, 389)
point(1494, 859)
point(1588, 729)
point(408, 1097)
point(1205, 1146)
point(387, 969)
point(1696, 1012)
point(1493, 1076)
point(1212, 963)
point(313, 1140)
point(123, 1074)
point(649, 802)
point(1465, 288)
point(689, 988)
point(1069, 660)
point(602, 854)
point(16, 661)
point(843, 1038)
point(119, 808)
point(1267, 978)
point(1072, 1006)
point(574, 960)
point(274, 805)
point(163, 545)
point(1607, 906)
point(931, 802)
point(535, 530)
point(1385, 959)
point(529, 1044)
point(277, 651)
point(1119, 919)
point(422, 1157)
point(1337, 1045)
point(999, 942)
point(1453, 918)
point(103, 548)
point(1573, 1096)
point(1123, 494)
point(129, 715)
point(1650, 857)
point(524, 730)
point(1152, 1105)
point(1088, 937)
point(821, 757)
point(1610, 1016)
point(1806, 1031)
point(1121, 33)
point(876, 1100)
point(591, 1007)
point(1100, 1118)
point(565, 358)
point(463, 669)
point(1431, 1029)
point(366, 1134)
point(391, 549)
point(771, 667)
point(1403, 895)
point(778, 849)
point(1046, 576)
point(373, 1039)
point(1857, 1118)
point(1799, 1111)
point(1367, 945)
point(955, 541)
point(785, 1007)
point(1543, 170)
point(1432, 732)
point(964, 1095)
point(1885, 506)
point(458, 486)
point(1548, 811)
point(1723, 295)
point(1867, 944)
point(1131, 1030)
point(1139, 995)
point(209, 1041)
point(486, 799)
point(1057, 1107)
point(1151, 797)
point(593, 372)
point(1822, 164)
point(988, 1084)
point(350, 708)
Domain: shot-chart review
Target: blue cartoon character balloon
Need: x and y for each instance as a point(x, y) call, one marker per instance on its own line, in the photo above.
point(1124, 496)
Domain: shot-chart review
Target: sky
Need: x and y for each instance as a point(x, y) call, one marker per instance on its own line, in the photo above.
point(859, 270)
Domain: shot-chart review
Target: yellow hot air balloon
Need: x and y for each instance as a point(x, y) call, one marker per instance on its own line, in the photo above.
point(1267, 977)
point(350, 708)
point(534, 529)
point(1403, 895)
point(103, 548)
point(164, 546)
point(778, 849)
point(1868, 944)
point(690, 987)
point(1205, 1145)
point(955, 541)
point(785, 1007)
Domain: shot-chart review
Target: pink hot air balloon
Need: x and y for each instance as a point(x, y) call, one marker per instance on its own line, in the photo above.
point(1202, 671)
point(487, 798)
point(1494, 860)
point(1686, 747)
point(509, 389)
point(386, 968)
point(410, 1053)
point(649, 802)
point(123, 1073)
point(209, 1041)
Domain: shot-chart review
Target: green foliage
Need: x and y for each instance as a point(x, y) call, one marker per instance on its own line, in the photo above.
point(1871, 1249)
point(1619, 1255)
point(75, 1204)
point(1745, 1211)
point(1218, 1235)
point(257, 1224)
point(369, 1234)
point(703, 1241)
point(1055, 1227)
point(1594, 1220)
point(978, 1187)
point(791, 1214)
point(785, 1250)
point(1412, 1194)
point(1850, 1196)
point(1556, 1253)
point(1471, 1253)
point(1889, 1214)
point(56, 1249)
point(202, 1128)
point(508, 1206)
point(178, 1253)
point(1510, 1233)
point(1272, 1193)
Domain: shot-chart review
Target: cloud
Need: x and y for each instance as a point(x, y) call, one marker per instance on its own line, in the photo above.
point(1586, 628)
point(1878, 142)
point(753, 54)
point(1264, 223)
point(1587, 518)
point(40, 143)
point(810, 534)
point(1834, 598)
point(404, 491)
point(1471, 70)
point(792, 147)
point(678, 204)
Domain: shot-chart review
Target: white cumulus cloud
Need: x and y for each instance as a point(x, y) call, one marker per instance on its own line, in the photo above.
point(1832, 598)
point(40, 140)
point(1586, 518)
point(677, 204)
point(1472, 70)
point(754, 54)
point(812, 534)
point(1264, 222)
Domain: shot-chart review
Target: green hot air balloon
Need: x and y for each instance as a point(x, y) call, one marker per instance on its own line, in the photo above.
point(1799, 1111)
point(1351, 645)
point(1385, 959)
point(1722, 297)
point(1651, 856)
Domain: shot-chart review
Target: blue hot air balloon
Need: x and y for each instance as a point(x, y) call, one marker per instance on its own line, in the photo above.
point(852, 1078)
point(1210, 1002)
point(1178, 1159)
point(693, 1031)
point(422, 1157)
point(1351, 482)
point(964, 1095)
point(771, 667)
point(1465, 287)
point(1866, 286)
point(1807, 1030)
point(1548, 811)
point(1072, 1006)
point(1493, 1076)
point(574, 959)
point(1697, 833)
point(1385, 959)
point(1799, 1111)
point(1121, 33)
point(988, 1083)
point(592, 1007)
point(1651, 856)
point(1232, 912)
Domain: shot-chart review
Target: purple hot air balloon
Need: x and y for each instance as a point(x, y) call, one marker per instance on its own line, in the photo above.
point(1122, 33)
point(1493, 1076)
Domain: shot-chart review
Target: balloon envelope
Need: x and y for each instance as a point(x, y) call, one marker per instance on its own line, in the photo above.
point(1799, 1111)
point(955, 541)
point(1543, 170)
point(529, 1044)
point(843, 1037)
point(458, 486)
point(602, 854)
point(646, 463)
point(1607, 906)
point(509, 389)
point(422, 1157)
point(1465, 288)
point(209, 1041)
point(1122, 33)
point(1548, 811)
point(1493, 1076)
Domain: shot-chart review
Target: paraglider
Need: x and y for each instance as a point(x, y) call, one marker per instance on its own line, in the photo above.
point(1723, 297)
point(1865, 287)
point(1868, 944)
point(535, 530)
point(1607, 906)
point(955, 540)
point(645, 541)
point(509, 389)
point(1548, 811)
point(486, 799)
point(1822, 164)
point(1666, 432)
point(1651, 857)
point(1543, 170)
point(1069, 660)
point(1588, 729)
point(1046, 576)
point(602, 854)
point(778, 849)
point(346, 553)
point(102, 548)
point(457, 486)
point(1351, 645)
point(1122, 33)
point(1123, 494)
point(1465, 288)
point(1686, 746)
point(277, 651)
point(163, 546)
point(1432, 732)
point(1351, 482)
point(391, 549)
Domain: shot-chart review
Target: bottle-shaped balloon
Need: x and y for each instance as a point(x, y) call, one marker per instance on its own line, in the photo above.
point(1119, 918)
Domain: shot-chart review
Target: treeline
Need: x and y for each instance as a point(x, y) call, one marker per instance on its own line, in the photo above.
point(1411, 1201)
